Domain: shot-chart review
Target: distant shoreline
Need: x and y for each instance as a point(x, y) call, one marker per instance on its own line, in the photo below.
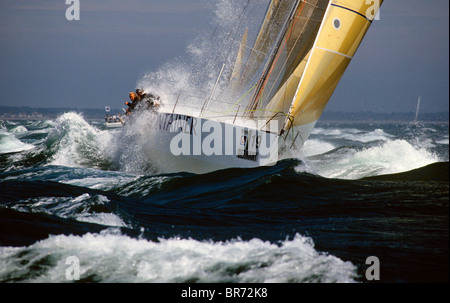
point(100, 119)
point(26, 113)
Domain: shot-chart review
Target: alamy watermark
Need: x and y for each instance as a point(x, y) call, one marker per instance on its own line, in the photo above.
point(195, 136)
point(73, 11)
point(73, 271)
point(373, 271)
point(373, 12)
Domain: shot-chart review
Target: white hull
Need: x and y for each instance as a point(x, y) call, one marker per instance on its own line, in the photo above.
point(182, 143)
point(113, 124)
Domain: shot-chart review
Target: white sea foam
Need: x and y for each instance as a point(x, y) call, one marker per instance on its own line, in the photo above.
point(9, 143)
point(104, 182)
point(19, 130)
point(113, 257)
point(444, 141)
point(393, 156)
point(78, 144)
point(353, 134)
point(334, 131)
point(316, 147)
point(78, 208)
point(106, 219)
point(130, 150)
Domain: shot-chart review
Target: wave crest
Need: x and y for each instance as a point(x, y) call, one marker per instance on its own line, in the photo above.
point(112, 257)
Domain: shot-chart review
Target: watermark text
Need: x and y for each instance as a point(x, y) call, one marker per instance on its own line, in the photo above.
point(373, 12)
point(73, 11)
point(373, 271)
point(73, 271)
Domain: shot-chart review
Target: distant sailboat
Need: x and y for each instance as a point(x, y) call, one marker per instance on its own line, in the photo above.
point(417, 110)
point(300, 54)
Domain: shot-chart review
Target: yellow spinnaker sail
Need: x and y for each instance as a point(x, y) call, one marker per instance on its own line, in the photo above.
point(343, 28)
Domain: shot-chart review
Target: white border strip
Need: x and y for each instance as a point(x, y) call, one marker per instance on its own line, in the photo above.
point(334, 52)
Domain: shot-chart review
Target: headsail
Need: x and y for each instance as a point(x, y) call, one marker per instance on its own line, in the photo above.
point(344, 26)
point(317, 42)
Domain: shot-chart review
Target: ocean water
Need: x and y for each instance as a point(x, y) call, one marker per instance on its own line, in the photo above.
point(71, 189)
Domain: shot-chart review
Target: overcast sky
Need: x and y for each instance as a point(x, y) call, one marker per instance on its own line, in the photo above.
point(48, 61)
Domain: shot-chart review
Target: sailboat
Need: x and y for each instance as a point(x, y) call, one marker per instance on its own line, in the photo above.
point(299, 56)
point(417, 109)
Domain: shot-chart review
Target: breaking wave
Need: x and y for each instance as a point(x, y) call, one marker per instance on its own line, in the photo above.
point(392, 156)
point(9, 143)
point(354, 153)
point(112, 257)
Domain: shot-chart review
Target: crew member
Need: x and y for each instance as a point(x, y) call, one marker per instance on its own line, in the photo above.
point(141, 93)
point(150, 101)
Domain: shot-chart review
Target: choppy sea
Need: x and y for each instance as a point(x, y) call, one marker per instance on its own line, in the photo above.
point(70, 189)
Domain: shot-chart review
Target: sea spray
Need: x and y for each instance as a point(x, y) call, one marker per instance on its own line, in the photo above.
point(130, 149)
point(189, 81)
